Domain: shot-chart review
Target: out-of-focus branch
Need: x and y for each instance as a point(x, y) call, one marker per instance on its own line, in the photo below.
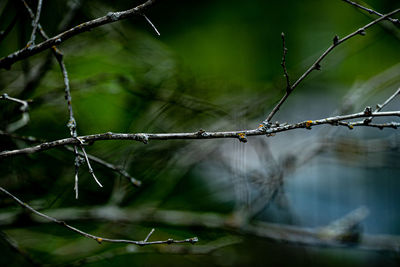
point(111, 17)
point(14, 246)
point(317, 64)
point(171, 249)
point(8, 29)
point(97, 238)
point(317, 237)
point(24, 109)
point(371, 11)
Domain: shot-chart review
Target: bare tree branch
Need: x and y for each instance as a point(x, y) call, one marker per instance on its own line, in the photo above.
point(94, 237)
point(241, 135)
point(111, 17)
point(72, 125)
point(381, 106)
point(317, 64)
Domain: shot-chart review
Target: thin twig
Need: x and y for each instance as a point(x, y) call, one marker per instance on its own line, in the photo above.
point(88, 162)
point(111, 17)
point(72, 122)
point(370, 11)
point(25, 114)
point(113, 167)
point(379, 107)
point(283, 64)
point(152, 25)
point(317, 64)
point(94, 237)
point(35, 23)
point(148, 236)
point(240, 135)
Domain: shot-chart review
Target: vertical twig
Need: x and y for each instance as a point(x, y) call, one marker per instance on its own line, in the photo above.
point(72, 126)
point(283, 64)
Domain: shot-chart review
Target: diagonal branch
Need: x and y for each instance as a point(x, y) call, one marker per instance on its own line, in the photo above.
point(379, 107)
point(317, 64)
point(111, 17)
point(94, 237)
point(371, 11)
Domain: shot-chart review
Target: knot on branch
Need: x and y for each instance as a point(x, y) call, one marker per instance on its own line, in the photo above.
point(361, 32)
point(144, 138)
point(79, 161)
point(192, 240)
point(201, 133)
point(335, 40)
point(242, 137)
point(308, 124)
point(113, 16)
point(368, 111)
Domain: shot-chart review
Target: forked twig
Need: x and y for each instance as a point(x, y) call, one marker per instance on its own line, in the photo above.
point(111, 17)
point(35, 23)
point(317, 64)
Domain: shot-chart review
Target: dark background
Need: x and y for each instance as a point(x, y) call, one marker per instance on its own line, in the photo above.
point(216, 66)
